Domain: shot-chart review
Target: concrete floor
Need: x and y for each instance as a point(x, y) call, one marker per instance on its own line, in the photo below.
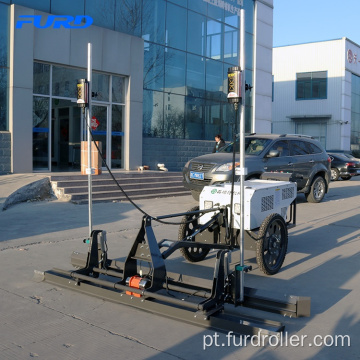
point(40, 320)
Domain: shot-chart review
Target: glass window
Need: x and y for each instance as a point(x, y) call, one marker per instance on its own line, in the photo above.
point(43, 5)
point(249, 80)
point(210, 35)
point(154, 66)
point(128, 16)
point(100, 87)
point(282, 147)
point(4, 80)
point(314, 149)
point(118, 89)
point(195, 76)
point(68, 7)
point(4, 35)
point(249, 39)
point(153, 21)
point(196, 33)
point(41, 79)
point(299, 148)
point(180, 2)
point(198, 5)
point(175, 71)
point(228, 118)
point(215, 80)
point(248, 119)
point(212, 119)
point(232, 12)
point(176, 26)
point(311, 85)
point(102, 12)
point(40, 132)
point(174, 108)
point(248, 6)
point(214, 40)
point(153, 113)
point(232, 19)
point(195, 118)
point(231, 45)
point(64, 81)
point(215, 12)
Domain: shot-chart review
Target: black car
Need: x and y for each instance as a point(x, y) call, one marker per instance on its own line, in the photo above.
point(343, 166)
point(302, 156)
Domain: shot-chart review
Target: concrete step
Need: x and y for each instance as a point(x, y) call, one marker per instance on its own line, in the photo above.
point(132, 197)
point(137, 185)
point(110, 188)
point(117, 175)
point(65, 183)
point(119, 193)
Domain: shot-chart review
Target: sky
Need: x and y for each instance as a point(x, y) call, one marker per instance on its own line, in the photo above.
point(303, 21)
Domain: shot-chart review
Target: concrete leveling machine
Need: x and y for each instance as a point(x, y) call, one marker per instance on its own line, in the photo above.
point(215, 304)
point(254, 213)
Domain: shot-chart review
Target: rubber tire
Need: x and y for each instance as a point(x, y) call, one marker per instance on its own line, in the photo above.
point(192, 254)
point(312, 196)
point(335, 174)
point(273, 226)
point(195, 194)
point(346, 177)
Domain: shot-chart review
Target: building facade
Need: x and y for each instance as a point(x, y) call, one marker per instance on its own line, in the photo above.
point(317, 92)
point(159, 79)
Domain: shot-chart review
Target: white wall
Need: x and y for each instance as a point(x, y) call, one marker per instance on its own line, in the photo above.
point(320, 56)
point(112, 52)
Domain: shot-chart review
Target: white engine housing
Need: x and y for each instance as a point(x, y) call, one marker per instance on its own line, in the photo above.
point(261, 198)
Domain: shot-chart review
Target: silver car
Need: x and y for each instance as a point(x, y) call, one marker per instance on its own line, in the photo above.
point(301, 156)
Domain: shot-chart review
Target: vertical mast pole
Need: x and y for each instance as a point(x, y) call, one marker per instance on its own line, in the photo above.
point(89, 169)
point(242, 149)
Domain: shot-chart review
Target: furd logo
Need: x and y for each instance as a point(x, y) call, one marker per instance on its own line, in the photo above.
point(55, 21)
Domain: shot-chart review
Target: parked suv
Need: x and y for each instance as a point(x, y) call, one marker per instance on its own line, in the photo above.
point(300, 155)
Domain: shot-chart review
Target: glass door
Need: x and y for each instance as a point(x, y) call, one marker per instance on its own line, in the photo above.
point(117, 135)
point(99, 126)
point(107, 127)
point(65, 135)
point(40, 133)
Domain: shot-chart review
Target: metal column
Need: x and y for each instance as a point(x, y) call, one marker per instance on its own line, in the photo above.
point(89, 169)
point(242, 149)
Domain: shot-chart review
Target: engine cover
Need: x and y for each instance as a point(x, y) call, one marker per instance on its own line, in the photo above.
point(261, 198)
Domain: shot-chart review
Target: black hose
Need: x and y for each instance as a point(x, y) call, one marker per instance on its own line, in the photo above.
point(127, 196)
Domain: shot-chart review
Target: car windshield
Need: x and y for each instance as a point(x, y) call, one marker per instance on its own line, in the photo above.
point(253, 146)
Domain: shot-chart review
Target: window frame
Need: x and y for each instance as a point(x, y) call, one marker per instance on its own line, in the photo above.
point(312, 82)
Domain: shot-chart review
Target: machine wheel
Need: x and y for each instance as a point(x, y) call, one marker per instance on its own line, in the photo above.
point(317, 190)
point(334, 174)
point(346, 177)
point(271, 245)
point(192, 254)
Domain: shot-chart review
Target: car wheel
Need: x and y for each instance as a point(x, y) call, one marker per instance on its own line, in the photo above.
point(190, 223)
point(271, 245)
point(317, 190)
point(195, 194)
point(334, 174)
point(346, 177)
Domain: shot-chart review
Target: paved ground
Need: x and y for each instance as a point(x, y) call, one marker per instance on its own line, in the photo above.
point(39, 320)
